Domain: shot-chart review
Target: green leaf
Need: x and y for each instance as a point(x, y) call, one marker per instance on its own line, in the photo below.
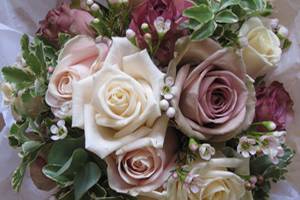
point(201, 13)
point(25, 46)
point(63, 38)
point(39, 52)
point(18, 76)
point(62, 150)
point(17, 133)
point(227, 17)
point(204, 31)
point(78, 158)
point(34, 64)
point(86, 179)
point(28, 157)
point(30, 146)
point(199, 2)
point(227, 3)
point(248, 5)
point(64, 173)
point(50, 172)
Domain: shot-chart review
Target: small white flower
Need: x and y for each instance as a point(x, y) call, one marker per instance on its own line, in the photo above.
point(280, 135)
point(168, 90)
point(206, 151)
point(269, 144)
point(162, 26)
point(193, 183)
point(274, 23)
point(246, 147)
point(59, 130)
point(274, 155)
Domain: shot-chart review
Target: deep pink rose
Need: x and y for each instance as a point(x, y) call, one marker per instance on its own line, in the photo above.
point(274, 104)
point(66, 20)
point(213, 100)
point(147, 12)
point(140, 168)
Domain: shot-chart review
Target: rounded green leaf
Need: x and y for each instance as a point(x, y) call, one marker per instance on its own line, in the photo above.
point(201, 13)
point(227, 17)
point(204, 31)
point(86, 179)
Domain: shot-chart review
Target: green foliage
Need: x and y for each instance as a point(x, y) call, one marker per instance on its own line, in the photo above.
point(222, 19)
point(30, 78)
point(262, 165)
point(28, 154)
point(113, 21)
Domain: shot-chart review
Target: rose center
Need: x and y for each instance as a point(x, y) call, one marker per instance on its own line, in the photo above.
point(118, 99)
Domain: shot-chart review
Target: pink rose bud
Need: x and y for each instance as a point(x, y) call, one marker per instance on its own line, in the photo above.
point(273, 104)
point(66, 20)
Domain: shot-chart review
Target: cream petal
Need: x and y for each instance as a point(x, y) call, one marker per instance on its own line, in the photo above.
point(120, 48)
point(96, 136)
point(140, 66)
point(249, 25)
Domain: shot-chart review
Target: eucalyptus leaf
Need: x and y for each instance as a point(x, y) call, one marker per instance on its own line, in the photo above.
point(86, 179)
point(204, 31)
point(201, 13)
point(75, 162)
point(62, 150)
point(50, 171)
point(227, 17)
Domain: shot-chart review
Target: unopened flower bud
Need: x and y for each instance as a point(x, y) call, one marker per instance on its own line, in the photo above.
point(130, 34)
point(89, 2)
point(148, 37)
point(171, 112)
point(193, 144)
point(145, 27)
point(283, 31)
point(96, 20)
point(164, 105)
point(269, 125)
point(95, 7)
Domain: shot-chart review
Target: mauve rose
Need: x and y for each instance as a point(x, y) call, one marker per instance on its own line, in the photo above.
point(66, 20)
point(140, 168)
point(212, 101)
point(147, 12)
point(274, 104)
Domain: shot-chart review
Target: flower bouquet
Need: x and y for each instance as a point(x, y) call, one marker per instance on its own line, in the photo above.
point(151, 100)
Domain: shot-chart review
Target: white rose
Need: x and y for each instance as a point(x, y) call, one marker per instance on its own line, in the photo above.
point(211, 180)
point(262, 51)
point(120, 103)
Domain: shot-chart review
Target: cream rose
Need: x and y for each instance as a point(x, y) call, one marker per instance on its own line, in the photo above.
point(262, 51)
point(80, 57)
point(139, 168)
point(211, 180)
point(120, 103)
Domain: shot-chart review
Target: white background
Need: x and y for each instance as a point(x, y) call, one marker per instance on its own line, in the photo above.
point(22, 16)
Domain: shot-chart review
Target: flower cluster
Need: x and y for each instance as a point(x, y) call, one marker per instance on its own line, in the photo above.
point(160, 99)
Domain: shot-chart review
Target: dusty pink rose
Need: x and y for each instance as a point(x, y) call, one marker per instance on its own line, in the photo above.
point(80, 57)
point(212, 99)
point(274, 104)
point(148, 12)
point(139, 168)
point(66, 20)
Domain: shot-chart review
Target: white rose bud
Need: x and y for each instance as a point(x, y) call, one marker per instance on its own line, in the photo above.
point(263, 51)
